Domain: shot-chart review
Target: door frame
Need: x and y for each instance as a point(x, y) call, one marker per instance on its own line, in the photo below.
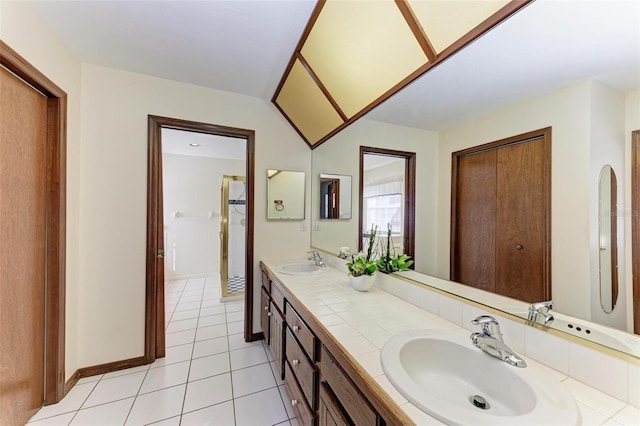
point(635, 226)
point(409, 195)
point(154, 329)
point(545, 135)
point(55, 226)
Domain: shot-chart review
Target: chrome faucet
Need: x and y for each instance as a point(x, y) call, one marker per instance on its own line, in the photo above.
point(541, 310)
point(317, 259)
point(490, 341)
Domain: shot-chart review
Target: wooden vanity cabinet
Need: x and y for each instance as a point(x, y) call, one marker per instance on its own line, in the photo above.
point(272, 321)
point(323, 387)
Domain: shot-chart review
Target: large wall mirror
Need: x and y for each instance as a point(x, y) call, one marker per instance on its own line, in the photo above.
point(499, 87)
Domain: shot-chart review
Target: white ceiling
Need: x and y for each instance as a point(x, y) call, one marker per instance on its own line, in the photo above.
point(244, 46)
point(179, 142)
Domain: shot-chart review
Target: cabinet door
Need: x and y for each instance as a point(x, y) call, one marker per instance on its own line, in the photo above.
point(329, 411)
point(264, 315)
point(276, 327)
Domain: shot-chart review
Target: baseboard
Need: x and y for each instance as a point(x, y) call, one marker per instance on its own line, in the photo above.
point(110, 367)
point(71, 382)
point(256, 336)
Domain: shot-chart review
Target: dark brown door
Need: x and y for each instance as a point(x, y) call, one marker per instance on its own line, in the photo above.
point(500, 217)
point(475, 200)
point(520, 221)
point(23, 145)
point(160, 325)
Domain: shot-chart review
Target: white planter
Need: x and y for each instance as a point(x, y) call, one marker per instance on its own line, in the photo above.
point(363, 282)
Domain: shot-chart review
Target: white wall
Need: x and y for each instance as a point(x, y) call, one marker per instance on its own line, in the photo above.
point(568, 112)
point(26, 33)
point(192, 188)
point(114, 133)
point(341, 156)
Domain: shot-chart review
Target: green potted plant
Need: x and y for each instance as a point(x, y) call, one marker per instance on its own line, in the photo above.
point(362, 268)
point(390, 261)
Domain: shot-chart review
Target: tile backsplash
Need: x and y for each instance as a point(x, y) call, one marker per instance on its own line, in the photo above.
point(611, 375)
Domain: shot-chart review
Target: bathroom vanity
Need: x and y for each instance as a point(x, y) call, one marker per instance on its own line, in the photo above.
point(325, 384)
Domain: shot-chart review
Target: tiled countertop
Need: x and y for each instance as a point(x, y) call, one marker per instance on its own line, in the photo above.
point(361, 322)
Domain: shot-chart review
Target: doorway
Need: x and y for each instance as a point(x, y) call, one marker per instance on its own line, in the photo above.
point(232, 236)
point(501, 216)
point(387, 197)
point(154, 305)
point(32, 207)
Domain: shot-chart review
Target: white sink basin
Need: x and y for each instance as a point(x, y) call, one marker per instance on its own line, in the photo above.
point(441, 373)
point(303, 268)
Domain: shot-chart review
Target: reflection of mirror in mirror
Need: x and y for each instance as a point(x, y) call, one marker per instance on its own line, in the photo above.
point(285, 195)
point(592, 108)
point(335, 196)
point(608, 234)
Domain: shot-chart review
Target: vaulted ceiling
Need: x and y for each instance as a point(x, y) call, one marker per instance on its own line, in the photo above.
point(245, 46)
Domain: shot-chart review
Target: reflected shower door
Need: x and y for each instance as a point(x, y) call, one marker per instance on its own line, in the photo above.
point(233, 235)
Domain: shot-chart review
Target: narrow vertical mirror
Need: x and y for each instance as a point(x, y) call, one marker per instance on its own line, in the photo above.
point(608, 238)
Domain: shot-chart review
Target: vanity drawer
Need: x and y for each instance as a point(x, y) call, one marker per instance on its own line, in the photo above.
point(304, 414)
point(354, 403)
point(300, 330)
point(266, 282)
point(305, 371)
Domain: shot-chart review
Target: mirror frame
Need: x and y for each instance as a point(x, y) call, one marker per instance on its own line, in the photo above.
point(409, 193)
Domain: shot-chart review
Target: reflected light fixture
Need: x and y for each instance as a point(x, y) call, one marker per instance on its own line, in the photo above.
point(353, 55)
point(194, 145)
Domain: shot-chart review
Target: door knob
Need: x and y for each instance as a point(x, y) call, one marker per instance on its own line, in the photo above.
point(519, 247)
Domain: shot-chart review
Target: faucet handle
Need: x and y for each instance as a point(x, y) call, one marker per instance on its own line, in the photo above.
point(487, 323)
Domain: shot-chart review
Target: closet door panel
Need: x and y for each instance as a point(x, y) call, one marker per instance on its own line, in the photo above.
point(520, 221)
point(475, 213)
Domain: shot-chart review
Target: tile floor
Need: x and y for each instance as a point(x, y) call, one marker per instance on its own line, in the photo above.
point(209, 376)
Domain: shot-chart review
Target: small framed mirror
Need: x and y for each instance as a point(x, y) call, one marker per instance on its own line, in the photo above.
point(335, 196)
point(285, 194)
point(608, 241)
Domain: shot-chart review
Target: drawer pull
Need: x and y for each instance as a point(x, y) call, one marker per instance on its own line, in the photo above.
point(295, 328)
point(294, 402)
point(295, 362)
point(269, 314)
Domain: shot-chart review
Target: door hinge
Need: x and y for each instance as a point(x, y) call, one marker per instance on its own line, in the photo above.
point(160, 253)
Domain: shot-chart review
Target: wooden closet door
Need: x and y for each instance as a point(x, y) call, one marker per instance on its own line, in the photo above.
point(23, 149)
point(520, 221)
point(475, 212)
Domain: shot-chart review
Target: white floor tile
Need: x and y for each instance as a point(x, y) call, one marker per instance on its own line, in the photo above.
point(186, 306)
point(211, 332)
point(285, 398)
point(234, 306)
point(209, 366)
point(211, 320)
point(236, 341)
point(172, 421)
point(211, 302)
point(182, 325)
point(217, 415)
point(210, 347)
point(61, 420)
point(211, 310)
point(155, 406)
point(71, 402)
point(165, 377)
point(235, 327)
point(252, 379)
point(174, 355)
point(277, 376)
point(179, 338)
point(262, 408)
point(206, 392)
point(235, 316)
point(113, 413)
point(89, 379)
point(109, 390)
point(247, 357)
point(182, 315)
